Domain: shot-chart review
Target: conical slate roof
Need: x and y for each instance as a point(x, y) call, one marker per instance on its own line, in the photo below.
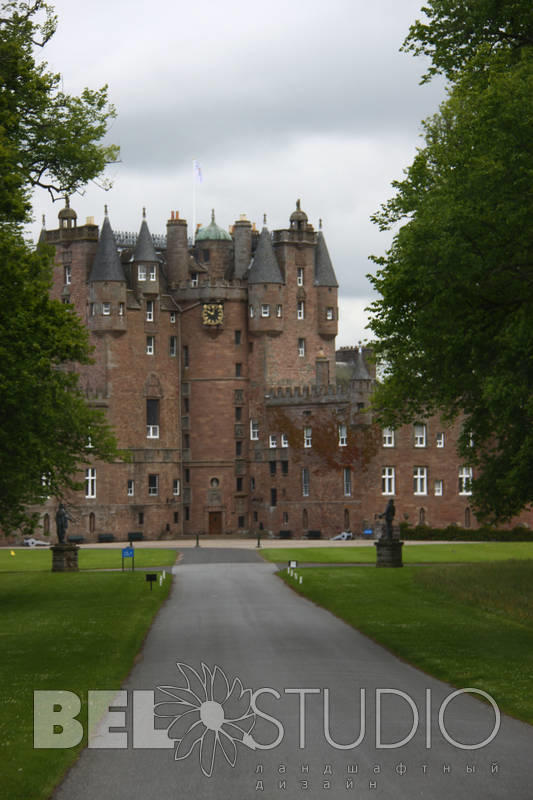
point(360, 370)
point(212, 232)
point(144, 247)
point(264, 267)
point(106, 265)
point(324, 272)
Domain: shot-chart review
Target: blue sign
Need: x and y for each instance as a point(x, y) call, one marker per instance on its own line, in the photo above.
point(368, 531)
point(128, 552)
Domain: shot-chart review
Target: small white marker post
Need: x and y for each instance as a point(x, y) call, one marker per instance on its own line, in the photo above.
point(301, 578)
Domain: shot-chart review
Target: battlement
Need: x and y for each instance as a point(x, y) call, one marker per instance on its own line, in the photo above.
point(296, 395)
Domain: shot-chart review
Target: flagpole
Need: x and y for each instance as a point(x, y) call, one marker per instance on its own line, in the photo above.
point(193, 200)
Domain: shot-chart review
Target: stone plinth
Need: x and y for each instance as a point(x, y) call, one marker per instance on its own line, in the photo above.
point(389, 553)
point(65, 558)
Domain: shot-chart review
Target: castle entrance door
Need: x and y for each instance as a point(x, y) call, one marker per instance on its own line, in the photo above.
point(215, 523)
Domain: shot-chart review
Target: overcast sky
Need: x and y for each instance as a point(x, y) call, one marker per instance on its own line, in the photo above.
point(276, 100)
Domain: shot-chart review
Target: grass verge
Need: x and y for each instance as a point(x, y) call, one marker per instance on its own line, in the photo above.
point(69, 631)
point(469, 626)
point(30, 559)
point(469, 552)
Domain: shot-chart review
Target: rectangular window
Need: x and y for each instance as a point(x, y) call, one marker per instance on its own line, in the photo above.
point(301, 347)
point(343, 436)
point(300, 276)
point(121, 309)
point(388, 437)
point(141, 273)
point(265, 310)
point(185, 355)
point(237, 337)
point(187, 475)
point(238, 484)
point(252, 484)
point(279, 310)
point(152, 419)
point(176, 487)
point(272, 440)
point(153, 485)
point(330, 312)
point(284, 467)
point(305, 482)
point(420, 480)
point(150, 345)
point(90, 482)
point(240, 522)
point(187, 513)
point(153, 272)
point(238, 413)
point(140, 518)
point(149, 311)
point(176, 517)
point(388, 480)
point(68, 275)
point(173, 346)
point(347, 481)
point(300, 310)
point(272, 465)
point(92, 309)
point(273, 497)
point(420, 435)
point(308, 437)
point(106, 309)
point(465, 480)
point(438, 488)
point(284, 440)
point(194, 279)
point(131, 488)
point(238, 448)
point(440, 440)
point(173, 317)
point(186, 405)
point(251, 311)
point(238, 370)
point(254, 430)
point(285, 517)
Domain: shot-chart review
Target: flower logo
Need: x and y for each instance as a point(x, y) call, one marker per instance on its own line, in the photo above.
point(207, 712)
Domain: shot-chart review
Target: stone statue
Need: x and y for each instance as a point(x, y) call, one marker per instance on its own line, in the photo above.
point(388, 514)
point(61, 523)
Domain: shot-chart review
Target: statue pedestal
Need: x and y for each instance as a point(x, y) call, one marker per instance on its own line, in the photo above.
point(65, 558)
point(388, 553)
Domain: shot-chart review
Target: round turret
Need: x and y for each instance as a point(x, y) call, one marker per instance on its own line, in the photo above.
point(67, 216)
point(298, 218)
point(212, 232)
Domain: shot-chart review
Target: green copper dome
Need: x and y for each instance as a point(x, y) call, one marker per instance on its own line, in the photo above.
point(212, 232)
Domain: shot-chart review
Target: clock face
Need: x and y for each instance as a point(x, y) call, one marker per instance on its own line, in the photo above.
point(212, 314)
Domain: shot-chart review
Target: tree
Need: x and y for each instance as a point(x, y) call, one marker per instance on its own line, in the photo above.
point(49, 140)
point(454, 322)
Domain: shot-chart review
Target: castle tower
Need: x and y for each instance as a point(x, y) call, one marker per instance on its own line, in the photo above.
point(265, 290)
point(214, 250)
point(146, 265)
point(107, 285)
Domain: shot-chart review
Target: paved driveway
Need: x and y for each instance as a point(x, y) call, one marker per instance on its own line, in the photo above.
point(229, 610)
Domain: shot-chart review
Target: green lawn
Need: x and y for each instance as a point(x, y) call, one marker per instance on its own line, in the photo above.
point(469, 552)
point(73, 631)
point(40, 560)
point(469, 625)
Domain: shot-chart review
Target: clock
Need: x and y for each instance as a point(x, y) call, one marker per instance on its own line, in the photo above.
point(212, 314)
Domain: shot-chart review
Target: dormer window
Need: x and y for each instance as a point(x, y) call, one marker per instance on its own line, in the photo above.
point(106, 309)
point(141, 273)
point(153, 272)
point(265, 310)
point(194, 279)
point(330, 313)
point(300, 276)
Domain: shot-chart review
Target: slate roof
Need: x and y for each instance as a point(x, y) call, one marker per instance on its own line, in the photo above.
point(144, 247)
point(264, 267)
point(106, 265)
point(360, 370)
point(324, 272)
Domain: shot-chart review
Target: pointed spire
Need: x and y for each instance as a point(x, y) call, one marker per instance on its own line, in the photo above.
point(144, 248)
point(264, 267)
point(360, 370)
point(324, 272)
point(106, 265)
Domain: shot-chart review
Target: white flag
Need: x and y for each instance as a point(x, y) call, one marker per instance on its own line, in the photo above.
point(197, 171)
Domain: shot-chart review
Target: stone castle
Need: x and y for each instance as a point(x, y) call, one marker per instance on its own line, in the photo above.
point(215, 361)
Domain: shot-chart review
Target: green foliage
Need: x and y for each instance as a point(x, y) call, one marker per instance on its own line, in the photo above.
point(454, 533)
point(51, 140)
point(47, 138)
point(453, 322)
